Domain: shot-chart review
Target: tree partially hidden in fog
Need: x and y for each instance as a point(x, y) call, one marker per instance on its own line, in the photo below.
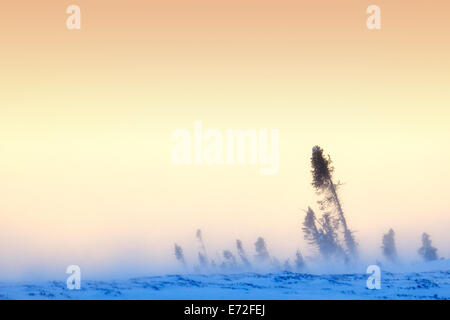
point(322, 171)
point(287, 265)
point(322, 234)
point(427, 251)
point(180, 255)
point(299, 262)
point(202, 256)
point(242, 254)
point(262, 254)
point(229, 260)
point(388, 246)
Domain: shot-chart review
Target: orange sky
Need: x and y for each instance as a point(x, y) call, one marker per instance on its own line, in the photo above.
point(86, 118)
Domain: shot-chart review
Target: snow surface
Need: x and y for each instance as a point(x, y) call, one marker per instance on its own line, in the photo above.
point(428, 281)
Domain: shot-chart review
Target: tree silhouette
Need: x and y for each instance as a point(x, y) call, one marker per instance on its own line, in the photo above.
point(322, 172)
point(388, 247)
point(427, 251)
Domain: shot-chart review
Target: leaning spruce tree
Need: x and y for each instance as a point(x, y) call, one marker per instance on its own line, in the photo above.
point(202, 256)
point(322, 171)
point(242, 254)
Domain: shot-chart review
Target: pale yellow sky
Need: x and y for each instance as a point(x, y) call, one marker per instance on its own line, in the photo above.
point(86, 120)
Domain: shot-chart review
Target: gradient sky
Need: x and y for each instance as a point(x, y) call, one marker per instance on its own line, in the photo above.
point(86, 119)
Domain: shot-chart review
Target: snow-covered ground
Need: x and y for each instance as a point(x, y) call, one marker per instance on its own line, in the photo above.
point(430, 281)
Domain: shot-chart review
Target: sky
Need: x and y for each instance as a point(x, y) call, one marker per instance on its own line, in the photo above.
point(86, 118)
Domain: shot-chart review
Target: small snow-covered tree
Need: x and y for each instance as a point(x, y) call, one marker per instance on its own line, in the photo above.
point(322, 234)
point(180, 255)
point(262, 254)
point(312, 233)
point(388, 246)
point(299, 261)
point(287, 265)
point(242, 254)
point(230, 261)
point(202, 256)
point(202, 260)
point(427, 251)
